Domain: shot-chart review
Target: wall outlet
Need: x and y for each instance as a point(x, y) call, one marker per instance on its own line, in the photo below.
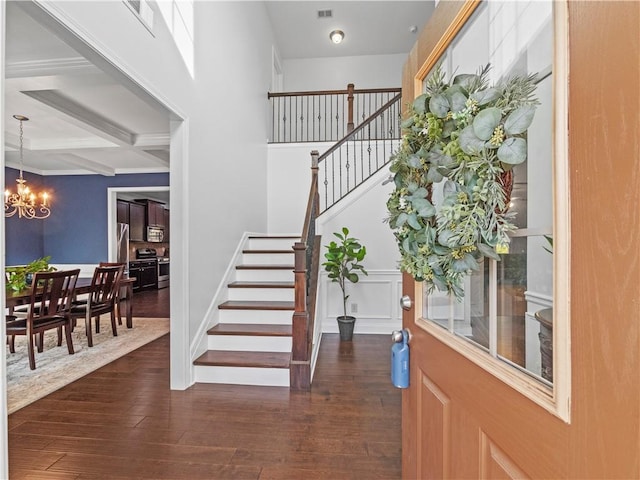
point(354, 308)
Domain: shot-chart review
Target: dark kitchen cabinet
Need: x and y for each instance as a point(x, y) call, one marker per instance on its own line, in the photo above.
point(122, 211)
point(154, 212)
point(137, 228)
point(145, 273)
point(166, 225)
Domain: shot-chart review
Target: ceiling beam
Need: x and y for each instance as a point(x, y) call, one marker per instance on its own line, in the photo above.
point(43, 68)
point(82, 117)
point(78, 115)
point(12, 160)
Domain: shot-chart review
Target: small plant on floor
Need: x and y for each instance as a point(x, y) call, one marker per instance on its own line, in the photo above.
point(343, 262)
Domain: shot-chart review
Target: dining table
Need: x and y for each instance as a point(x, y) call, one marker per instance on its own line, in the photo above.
point(83, 286)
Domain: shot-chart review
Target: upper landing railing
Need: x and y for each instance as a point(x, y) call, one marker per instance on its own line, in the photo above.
point(323, 116)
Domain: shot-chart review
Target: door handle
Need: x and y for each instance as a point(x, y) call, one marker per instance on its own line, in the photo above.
point(406, 303)
point(398, 336)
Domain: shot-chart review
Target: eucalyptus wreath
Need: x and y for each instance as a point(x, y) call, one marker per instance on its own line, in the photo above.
point(468, 135)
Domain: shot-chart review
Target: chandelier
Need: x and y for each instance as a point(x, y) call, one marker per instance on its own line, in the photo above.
point(23, 201)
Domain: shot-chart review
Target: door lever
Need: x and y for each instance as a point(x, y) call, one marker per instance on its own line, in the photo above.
point(406, 303)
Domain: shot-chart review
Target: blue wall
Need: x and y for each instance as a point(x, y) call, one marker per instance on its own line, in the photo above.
point(76, 231)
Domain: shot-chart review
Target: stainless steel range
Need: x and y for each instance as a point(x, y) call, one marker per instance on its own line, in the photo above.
point(161, 264)
point(163, 272)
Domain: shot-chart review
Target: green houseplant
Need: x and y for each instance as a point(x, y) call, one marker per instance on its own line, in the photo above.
point(343, 264)
point(19, 277)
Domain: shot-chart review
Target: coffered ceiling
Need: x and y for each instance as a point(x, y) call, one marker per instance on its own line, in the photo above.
point(84, 121)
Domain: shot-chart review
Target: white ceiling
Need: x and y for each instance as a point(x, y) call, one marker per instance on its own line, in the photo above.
point(83, 121)
point(370, 28)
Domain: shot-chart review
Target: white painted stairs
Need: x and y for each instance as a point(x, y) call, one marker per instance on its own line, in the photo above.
point(251, 344)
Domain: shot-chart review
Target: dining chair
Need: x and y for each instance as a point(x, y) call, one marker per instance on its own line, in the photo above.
point(120, 294)
point(51, 298)
point(105, 287)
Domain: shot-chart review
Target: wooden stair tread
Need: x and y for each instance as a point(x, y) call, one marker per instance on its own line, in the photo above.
point(221, 358)
point(261, 285)
point(252, 329)
point(277, 252)
point(268, 237)
point(256, 305)
point(264, 267)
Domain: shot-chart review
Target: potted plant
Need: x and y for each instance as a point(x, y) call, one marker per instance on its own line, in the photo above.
point(343, 264)
point(20, 277)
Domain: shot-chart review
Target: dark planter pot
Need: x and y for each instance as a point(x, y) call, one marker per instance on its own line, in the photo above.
point(345, 325)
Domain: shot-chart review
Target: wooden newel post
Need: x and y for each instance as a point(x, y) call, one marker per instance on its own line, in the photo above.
point(299, 365)
point(350, 88)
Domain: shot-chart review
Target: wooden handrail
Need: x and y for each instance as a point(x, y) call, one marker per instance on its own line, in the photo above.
point(333, 92)
point(360, 127)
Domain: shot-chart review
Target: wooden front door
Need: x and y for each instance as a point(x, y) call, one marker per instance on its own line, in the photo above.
point(468, 414)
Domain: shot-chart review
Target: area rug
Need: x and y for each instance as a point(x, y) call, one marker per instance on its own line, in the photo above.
point(55, 368)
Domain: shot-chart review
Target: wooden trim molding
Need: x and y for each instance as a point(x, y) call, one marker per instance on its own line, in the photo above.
point(450, 33)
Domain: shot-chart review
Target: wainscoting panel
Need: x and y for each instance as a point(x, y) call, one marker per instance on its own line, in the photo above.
point(375, 298)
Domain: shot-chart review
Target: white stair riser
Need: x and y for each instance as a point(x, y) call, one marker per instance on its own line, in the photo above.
point(284, 275)
point(246, 343)
point(267, 258)
point(275, 377)
point(270, 243)
point(271, 317)
point(274, 294)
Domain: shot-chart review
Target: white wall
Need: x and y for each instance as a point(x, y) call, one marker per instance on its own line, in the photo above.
point(4, 449)
point(228, 172)
point(376, 295)
point(335, 73)
point(218, 190)
point(288, 182)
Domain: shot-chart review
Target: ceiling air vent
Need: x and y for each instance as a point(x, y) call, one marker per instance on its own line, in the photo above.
point(325, 14)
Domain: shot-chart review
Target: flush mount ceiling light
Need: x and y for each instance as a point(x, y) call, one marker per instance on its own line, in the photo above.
point(336, 36)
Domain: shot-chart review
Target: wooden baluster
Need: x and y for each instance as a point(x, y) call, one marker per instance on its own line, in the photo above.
point(350, 89)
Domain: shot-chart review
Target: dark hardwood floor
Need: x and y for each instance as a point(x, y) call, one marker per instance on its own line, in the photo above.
point(151, 303)
point(122, 421)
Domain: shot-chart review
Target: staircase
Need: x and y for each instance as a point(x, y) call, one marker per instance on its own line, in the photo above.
point(251, 344)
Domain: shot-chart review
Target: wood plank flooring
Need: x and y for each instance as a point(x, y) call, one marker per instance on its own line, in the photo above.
point(152, 303)
point(123, 422)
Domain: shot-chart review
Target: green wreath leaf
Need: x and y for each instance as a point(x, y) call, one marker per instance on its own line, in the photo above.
point(484, 97)
point(513, 151)
point(420, 104)
point(458, 102)
point(412, 220)
point(486, 122)
point(519, 120)
point(469, 141)
point(465, 80)
point(439, 105)
point(488, 251)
